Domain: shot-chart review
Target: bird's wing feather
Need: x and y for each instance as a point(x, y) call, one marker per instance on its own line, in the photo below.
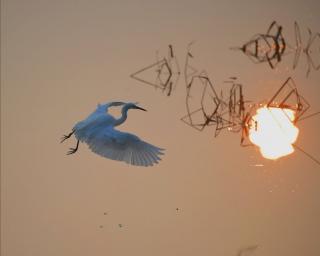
point(122, 146)
point(92, 124)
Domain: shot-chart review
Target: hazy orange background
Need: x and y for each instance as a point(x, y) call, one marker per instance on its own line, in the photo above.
point(60, 58)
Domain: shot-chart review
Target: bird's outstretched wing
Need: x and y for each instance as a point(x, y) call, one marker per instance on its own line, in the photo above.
point(122, 146)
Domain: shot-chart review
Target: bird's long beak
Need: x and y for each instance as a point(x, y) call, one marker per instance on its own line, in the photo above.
point(140, 108)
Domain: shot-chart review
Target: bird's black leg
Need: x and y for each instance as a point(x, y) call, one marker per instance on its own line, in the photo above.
point(73, 150)
point(64, 137)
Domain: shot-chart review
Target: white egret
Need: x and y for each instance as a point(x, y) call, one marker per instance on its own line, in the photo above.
point(97, 130)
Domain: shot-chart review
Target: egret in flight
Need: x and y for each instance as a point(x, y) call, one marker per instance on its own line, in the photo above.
point(98, 131)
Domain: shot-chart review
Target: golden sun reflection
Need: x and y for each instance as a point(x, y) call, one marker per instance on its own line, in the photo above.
point(273, 131)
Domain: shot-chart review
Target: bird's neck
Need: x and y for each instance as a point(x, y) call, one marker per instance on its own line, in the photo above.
point(123, 117)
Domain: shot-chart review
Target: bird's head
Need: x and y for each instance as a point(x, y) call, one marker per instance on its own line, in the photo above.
point(131, 105)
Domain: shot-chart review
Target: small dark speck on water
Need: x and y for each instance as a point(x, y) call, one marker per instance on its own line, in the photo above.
point(105, 213)
point(101, 226)
point(120, 225)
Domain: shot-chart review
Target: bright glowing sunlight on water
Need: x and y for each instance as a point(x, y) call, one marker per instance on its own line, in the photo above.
point(273, 131)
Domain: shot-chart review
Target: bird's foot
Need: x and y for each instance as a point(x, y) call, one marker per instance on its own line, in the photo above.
point(72, 151)
point(64, 137)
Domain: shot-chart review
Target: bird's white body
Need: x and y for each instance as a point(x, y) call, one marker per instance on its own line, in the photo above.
point(97, 130)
